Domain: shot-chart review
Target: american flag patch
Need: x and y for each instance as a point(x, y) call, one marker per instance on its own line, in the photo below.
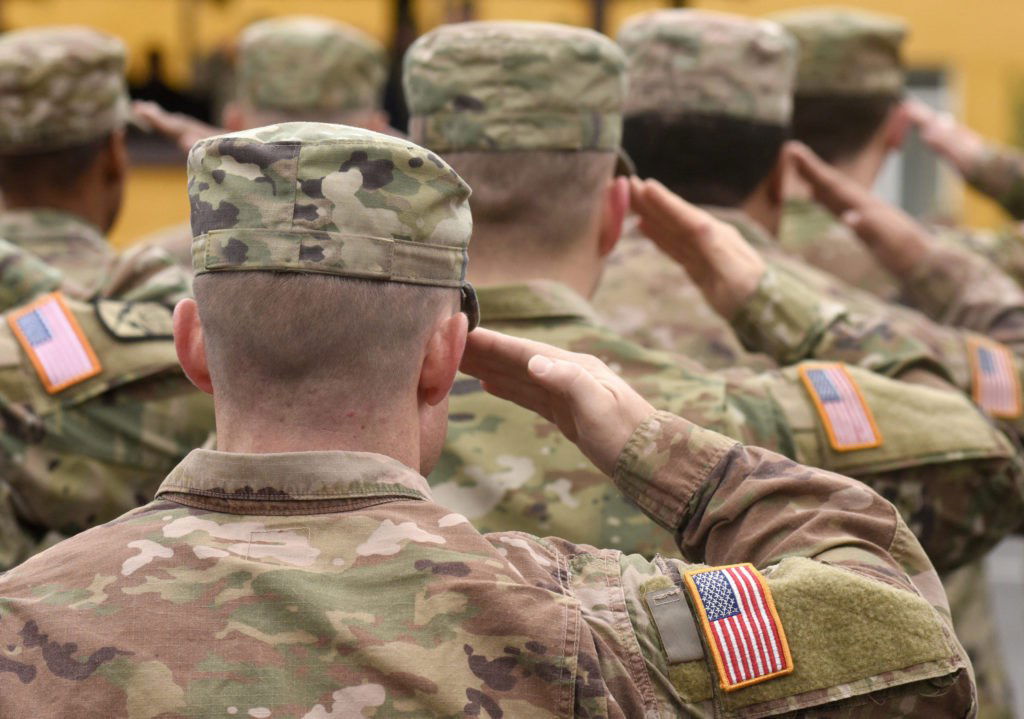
point(846, 415)
point(995, 379)
point(54, 342)
point(740, 623)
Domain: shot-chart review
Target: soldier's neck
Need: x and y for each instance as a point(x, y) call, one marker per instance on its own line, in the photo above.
point(578, 267)
point(764, 210)
point(349, 428)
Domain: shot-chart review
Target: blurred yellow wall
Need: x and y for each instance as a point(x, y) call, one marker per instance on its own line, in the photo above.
point(978, 45)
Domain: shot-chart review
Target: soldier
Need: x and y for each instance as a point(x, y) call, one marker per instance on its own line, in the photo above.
point(63, 161)
point(94, 405)
point(289, 69)
point(521, 128)
point(713, 133)
point(319, 576)
point(848, 109)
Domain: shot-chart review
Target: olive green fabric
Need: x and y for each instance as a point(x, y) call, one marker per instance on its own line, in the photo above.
point(916, 424)
point(857, 610)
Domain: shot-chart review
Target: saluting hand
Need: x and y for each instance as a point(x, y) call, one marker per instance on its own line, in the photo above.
point(959, 144)
point(719, 261)
point(896, 239)
point(592, 406)
point(182, 130)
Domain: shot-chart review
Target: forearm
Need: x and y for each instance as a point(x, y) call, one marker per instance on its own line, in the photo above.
point(999, 173)
point(730, 503)
point(792, 323)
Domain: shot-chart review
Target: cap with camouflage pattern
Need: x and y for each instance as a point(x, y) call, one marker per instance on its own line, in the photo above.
point(846, 52)
point(330, 199)
point(496, 86)
point(60, 87)
point(701, 62)
point(307, 63)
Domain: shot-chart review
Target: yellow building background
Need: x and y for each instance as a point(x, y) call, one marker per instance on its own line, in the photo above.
point(978, 45)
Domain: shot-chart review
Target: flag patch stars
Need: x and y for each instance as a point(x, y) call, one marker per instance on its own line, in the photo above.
point(54, 343)
point(994, 377)
point(740, 623)
point(848, 420)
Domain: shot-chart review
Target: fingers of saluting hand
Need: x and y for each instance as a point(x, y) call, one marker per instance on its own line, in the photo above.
point(837, 192)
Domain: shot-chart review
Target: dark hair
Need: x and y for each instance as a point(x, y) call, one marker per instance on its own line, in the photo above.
point(54, 169)
point(708, 159)
point(839, 126)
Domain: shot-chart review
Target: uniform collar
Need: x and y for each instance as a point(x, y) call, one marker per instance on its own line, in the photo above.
point(540, 299)
point(751, 230)
point(28, 224)
point(235, 480)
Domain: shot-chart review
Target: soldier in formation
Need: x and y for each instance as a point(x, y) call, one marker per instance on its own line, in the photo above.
point(352, 463)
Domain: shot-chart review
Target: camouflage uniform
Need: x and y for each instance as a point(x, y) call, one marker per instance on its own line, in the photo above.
point(60, 88)
point(788, 317)
point(298, 68)
point(544, 484)
point(999, 173)
point(282, 560)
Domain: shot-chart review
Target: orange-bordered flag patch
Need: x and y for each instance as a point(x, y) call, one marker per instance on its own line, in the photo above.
point(54, 342)
point(848, 420)
point(994, 378)
point(740, 623)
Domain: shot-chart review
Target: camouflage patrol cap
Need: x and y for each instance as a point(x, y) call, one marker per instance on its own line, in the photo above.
point(60, 87)
point(846, 52)
point(328, 199)
point(701, 62)
point(308, 63)
point(496, 86)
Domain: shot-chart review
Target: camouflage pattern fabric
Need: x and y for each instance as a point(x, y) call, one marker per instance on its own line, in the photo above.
point(101, 447)
point(846, 51)
point(312, 197)
point(80, 253)
point(1000, 175)
point(23, 276)
point(302, 64)
point(60, 87)
point(734, 66)
point(503, 624)
point(69, 244)
point(506, 468)
point(565, 93)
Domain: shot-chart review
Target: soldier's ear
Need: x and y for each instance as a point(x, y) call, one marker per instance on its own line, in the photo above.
point(441, 358)
point(897, 124)
point(613, 214)
point(190, 345)
point(116, 168)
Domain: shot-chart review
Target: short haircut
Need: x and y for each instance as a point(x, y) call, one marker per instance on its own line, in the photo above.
point(536, 202)
point(296, 337)
point(707, 159)
point(838, 127)
point(49, 170)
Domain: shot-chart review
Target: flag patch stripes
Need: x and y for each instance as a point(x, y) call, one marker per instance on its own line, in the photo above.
point(54, 342)
point(994, 377)
point(740, 623)
point(848, 420)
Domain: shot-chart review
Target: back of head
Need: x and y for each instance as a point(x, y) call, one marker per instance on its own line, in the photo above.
point(308, 69)
point(62, 93)
point(710, 99)
point(323, 255)
point(849, 77)
point(530, 114)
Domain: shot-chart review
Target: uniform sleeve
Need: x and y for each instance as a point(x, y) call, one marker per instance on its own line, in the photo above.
point(792, 322)
point(1000, 175)
point(827, 547)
